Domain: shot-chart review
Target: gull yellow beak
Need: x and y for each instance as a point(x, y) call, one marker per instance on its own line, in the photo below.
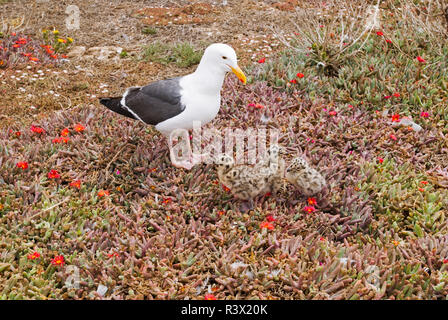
point(239, 73)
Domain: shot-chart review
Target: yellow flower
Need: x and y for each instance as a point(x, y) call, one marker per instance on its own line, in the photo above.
point(69, 39)
point(55, 32)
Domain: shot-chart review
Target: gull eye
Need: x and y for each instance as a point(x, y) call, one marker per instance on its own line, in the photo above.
point(224, 57)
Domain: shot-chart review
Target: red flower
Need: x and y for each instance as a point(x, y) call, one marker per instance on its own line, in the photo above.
point(424, 182)
point(387, 97)
point(65, 132)
point(420, 59)
point(380, 160)
point(36, 129)
point(79, 127)
point(309, 209)
point(312, 201)
point(396, 95)
point(266, 225)
point(388, 41)
point(34, 255)
point(18, 133)
point(53, 174)
point(294, 81)
point(76, 184)
point(167, 200)
point(225, 188)
point(396, 118)
point(379, 33)
point(332, 113)
point(300, 75)
point(103, 193)
point(113, 254)
point(34, 59)
point(421, 189)
point(221, 212)
point(445, 260)
point(424, 114)
point(57, 140)
point(209, 297)
point(262, 60)
point(393, 137)
point(22, 165)
point(58, 261)
point(270, 218)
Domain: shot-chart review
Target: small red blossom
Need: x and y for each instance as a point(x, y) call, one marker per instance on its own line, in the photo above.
point(225, 188)
point(37, 129)
point(266, 225)
point(79, 127)
point(22, 165)
point(58, 261)
point(387, 97)
point(421, 189)
point(221, 212)
point(65, 132)
point(332, 113)
point(209, 297)
point(379, 33)
point(34, 59)
point(393, 137)
point(395, 118)
point(262, 60)
point(18, 134)
point(167, 200)
point(388, 41)
point(270, 218)
point(300, 75)
point(113, 254)
point(397, 95)
point(380, 160)
point(53, 174)
point(57, 140)
point(33, 256)
point(420, 59)
point(294, 81)
point(103, 193)
point(312, 201)
point(322, 239)
point(309, 209)
point(350, 106)
point(445, 260)
point(76, 184)
point(424, 114)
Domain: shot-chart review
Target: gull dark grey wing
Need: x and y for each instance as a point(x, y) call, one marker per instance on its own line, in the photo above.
point(154, 103)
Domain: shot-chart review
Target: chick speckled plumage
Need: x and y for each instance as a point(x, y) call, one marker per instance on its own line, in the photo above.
point(246, 181)
point(308, 180)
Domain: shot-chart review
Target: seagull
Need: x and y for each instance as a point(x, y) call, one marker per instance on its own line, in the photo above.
point(177, 103)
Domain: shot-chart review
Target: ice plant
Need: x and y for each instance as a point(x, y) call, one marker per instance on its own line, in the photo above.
point(380, 160)
point(76, 184)
point(79, 127)
point(266, 225)
point(293, 81)
point(103, 193)
point(300, 75)
point(65, 132)
point(58, 261)
point(395, 118)
point(420, 59)
point(312, 201)
point(209, 297)
point(22, 165)
point(309, 209)
point(33, 256)
point(424, 114)
point(37, 129)
point(397, 95)
point(53, 174)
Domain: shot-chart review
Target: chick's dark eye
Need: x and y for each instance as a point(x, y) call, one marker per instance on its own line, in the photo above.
point(224, 57)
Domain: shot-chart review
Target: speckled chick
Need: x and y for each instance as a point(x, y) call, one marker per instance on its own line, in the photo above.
point(308, 180)
point(246, 181)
